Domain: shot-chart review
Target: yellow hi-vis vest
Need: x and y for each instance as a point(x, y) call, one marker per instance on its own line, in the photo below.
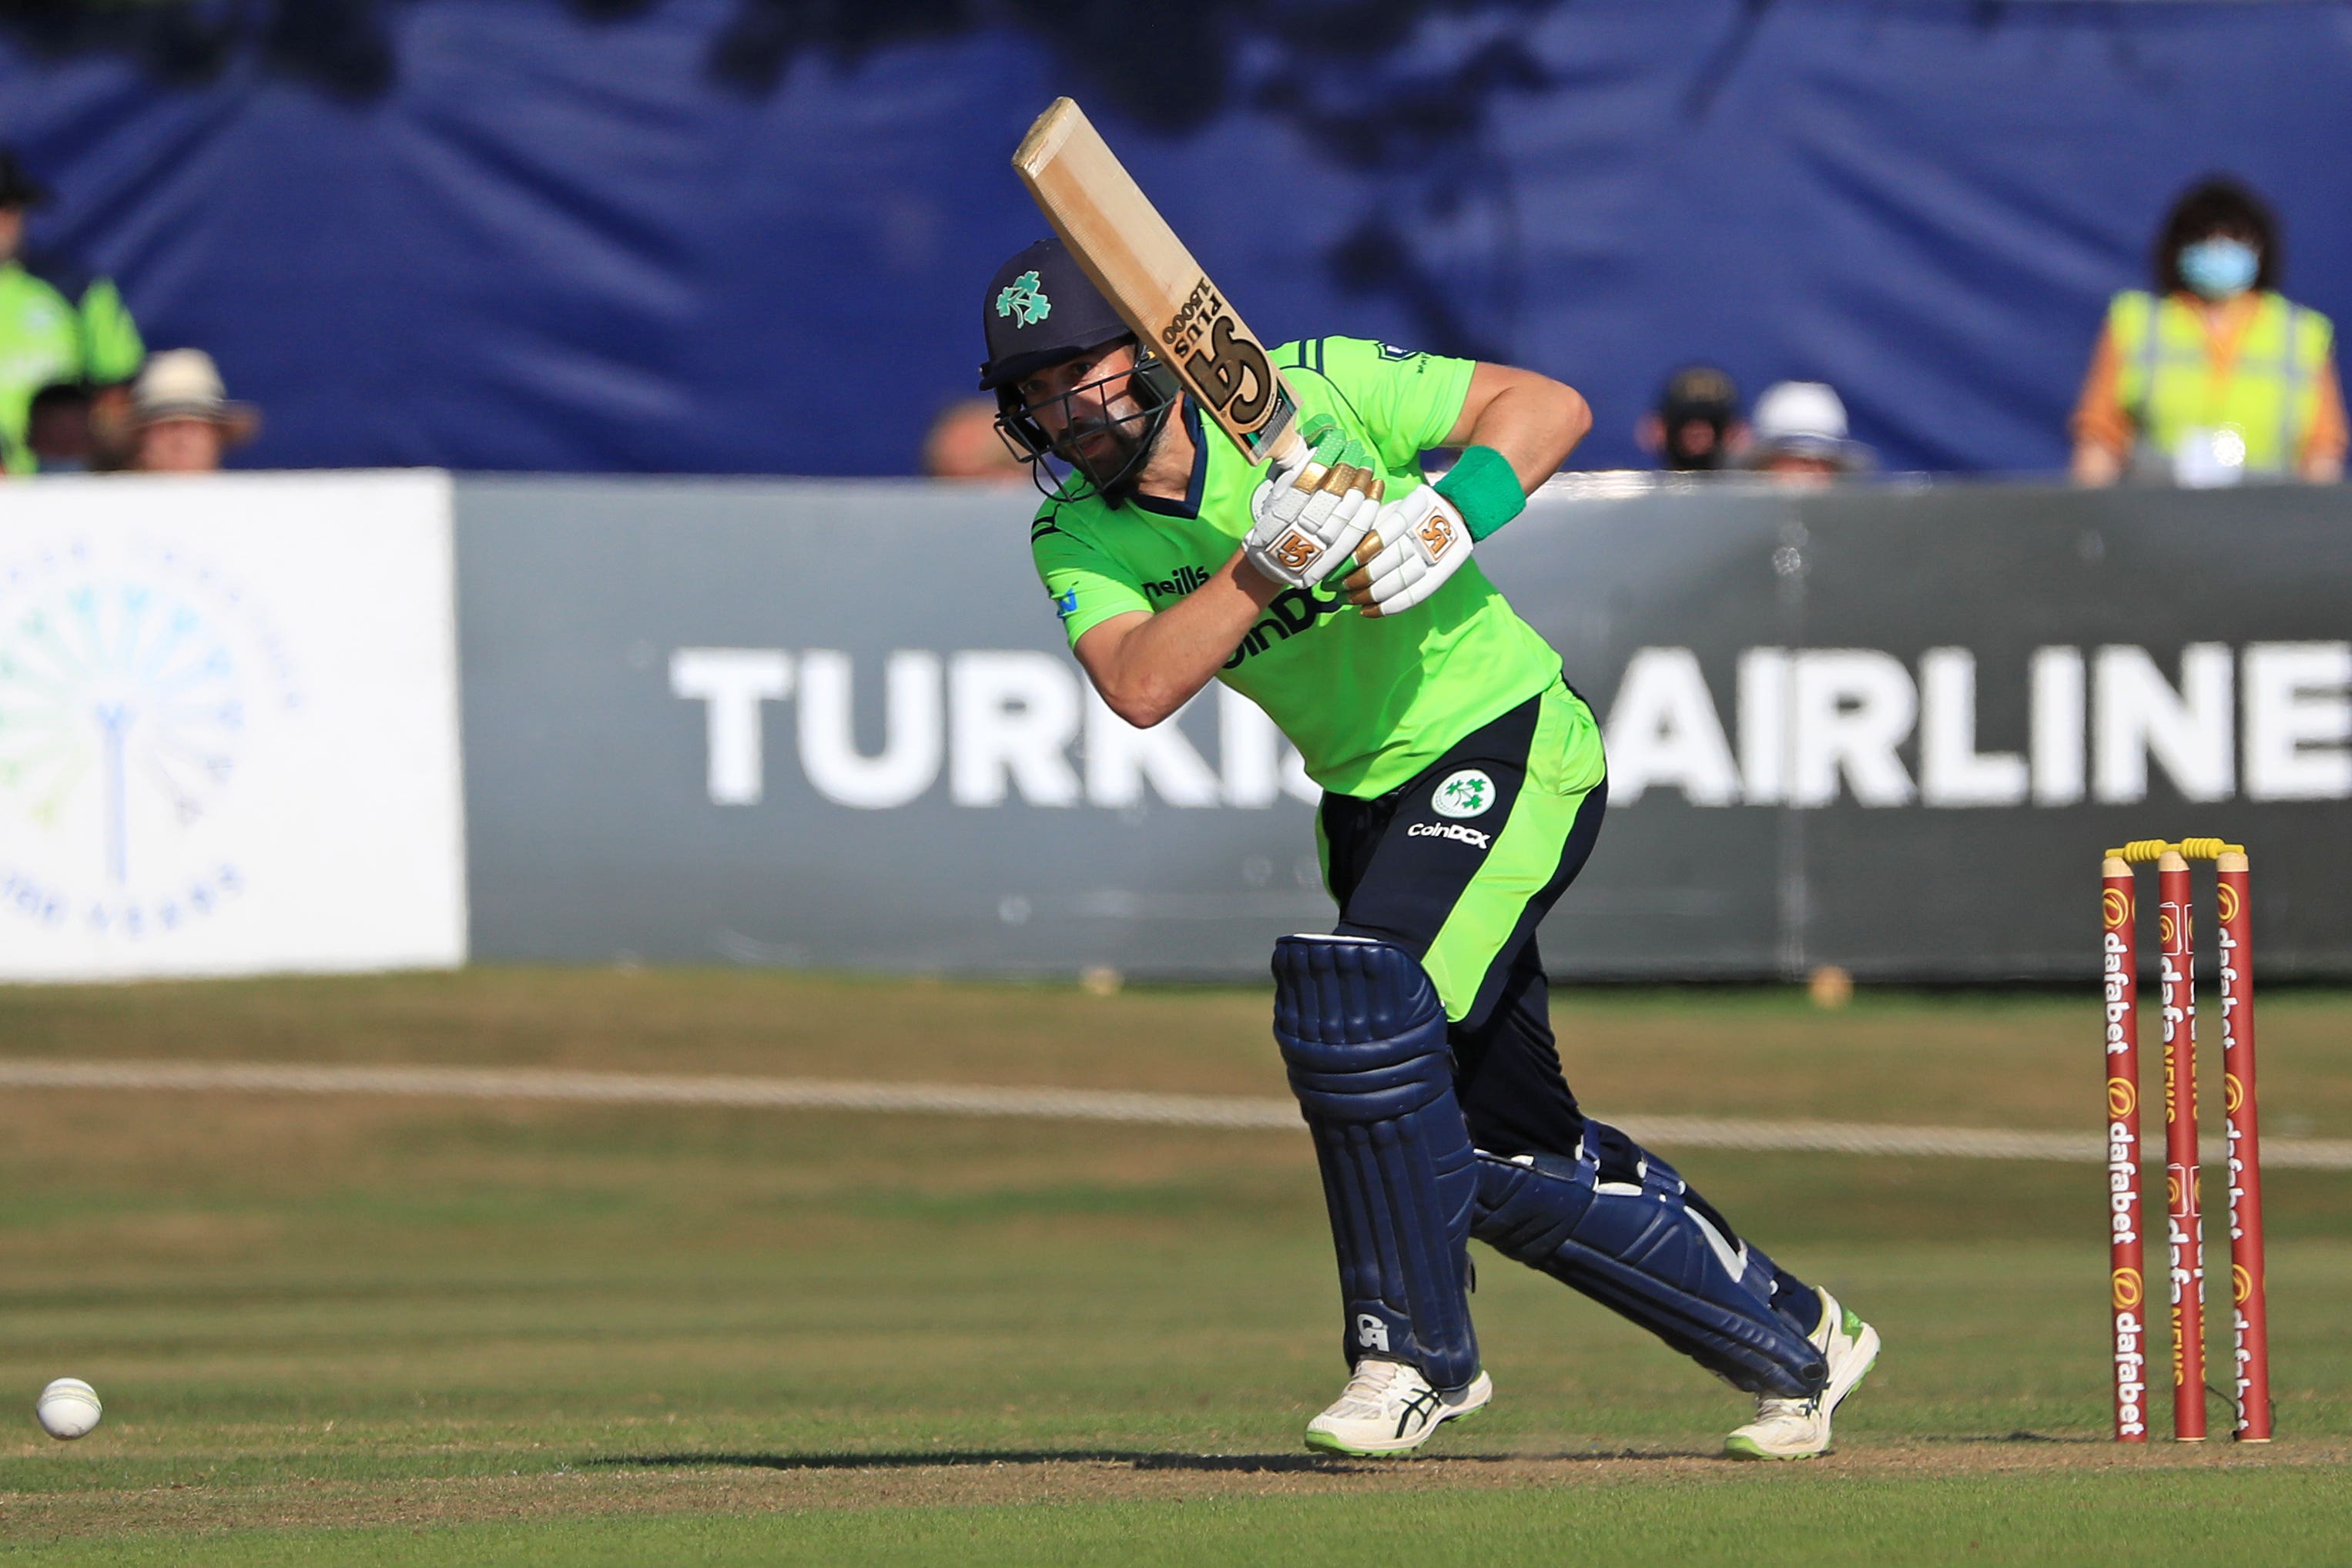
point(2164, 378)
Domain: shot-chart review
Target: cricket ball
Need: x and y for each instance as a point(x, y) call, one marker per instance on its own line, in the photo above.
point(68, 1407)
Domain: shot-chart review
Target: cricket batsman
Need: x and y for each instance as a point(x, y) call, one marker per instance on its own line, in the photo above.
point(1464, 787)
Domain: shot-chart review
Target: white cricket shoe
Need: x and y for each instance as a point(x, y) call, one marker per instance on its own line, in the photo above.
point(1389, 1407)
point(1799, 1428)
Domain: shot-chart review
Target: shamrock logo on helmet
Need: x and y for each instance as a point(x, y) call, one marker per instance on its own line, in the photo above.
point(1023, 301)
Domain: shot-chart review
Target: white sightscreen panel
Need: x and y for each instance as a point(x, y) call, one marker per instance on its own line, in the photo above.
point(228, 726)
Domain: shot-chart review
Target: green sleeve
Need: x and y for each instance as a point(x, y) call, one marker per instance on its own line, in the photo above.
point(1086, 587)
point(111, 349)
point(1408, 401)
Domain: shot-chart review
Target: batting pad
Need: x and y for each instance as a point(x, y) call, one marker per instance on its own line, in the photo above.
point(1363, 1036)
point(1629, 1240)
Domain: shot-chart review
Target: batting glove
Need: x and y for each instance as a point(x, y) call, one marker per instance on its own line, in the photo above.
point(1415, 543)
point(1309, 515)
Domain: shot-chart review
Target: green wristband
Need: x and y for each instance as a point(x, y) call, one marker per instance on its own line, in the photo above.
point(1483, 490)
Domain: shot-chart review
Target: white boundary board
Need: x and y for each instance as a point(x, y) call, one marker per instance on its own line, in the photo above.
point(228, 726)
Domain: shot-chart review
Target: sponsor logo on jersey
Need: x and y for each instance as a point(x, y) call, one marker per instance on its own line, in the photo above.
point(1453, 830)
point(1066, 604)
point(1465, 794)
point(1292, 611)
point(1178, 584)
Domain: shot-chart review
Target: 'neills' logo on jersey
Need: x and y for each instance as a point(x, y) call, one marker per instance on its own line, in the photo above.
point(1183, 580)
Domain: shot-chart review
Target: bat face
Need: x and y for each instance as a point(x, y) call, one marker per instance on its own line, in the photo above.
point(1129, 251)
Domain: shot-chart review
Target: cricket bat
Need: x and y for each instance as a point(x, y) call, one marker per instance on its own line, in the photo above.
point(1127, 249)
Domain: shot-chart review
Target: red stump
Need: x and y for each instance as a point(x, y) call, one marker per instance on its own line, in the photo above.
point(2119, 969)
point(2184, 1222)
point(2251, 1387)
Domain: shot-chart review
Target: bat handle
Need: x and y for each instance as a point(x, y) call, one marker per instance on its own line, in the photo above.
point(1286, 448)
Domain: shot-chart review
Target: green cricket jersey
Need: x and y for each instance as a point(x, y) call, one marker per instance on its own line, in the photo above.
point(47, 337)
point(1368, 703)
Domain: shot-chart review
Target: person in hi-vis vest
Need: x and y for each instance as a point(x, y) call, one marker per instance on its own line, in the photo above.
point(2215, 376)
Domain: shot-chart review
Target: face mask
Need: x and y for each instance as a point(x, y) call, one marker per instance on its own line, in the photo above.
point(2218, 268)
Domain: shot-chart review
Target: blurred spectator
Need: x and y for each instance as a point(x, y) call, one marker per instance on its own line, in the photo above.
point(1800, 435)
point(184, 420)
point(56, 324)
point(2215, 376)
point(1695, 425)
point(113, 431)
point(57, 427)
point(964, 444)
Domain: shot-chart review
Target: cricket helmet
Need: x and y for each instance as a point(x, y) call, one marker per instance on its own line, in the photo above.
point(1040, 310)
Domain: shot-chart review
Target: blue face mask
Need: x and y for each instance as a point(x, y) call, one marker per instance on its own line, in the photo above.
point(2219, 268)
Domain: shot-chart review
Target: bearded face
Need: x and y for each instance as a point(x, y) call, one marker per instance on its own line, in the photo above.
point(1104, 429)
point(1088, 412)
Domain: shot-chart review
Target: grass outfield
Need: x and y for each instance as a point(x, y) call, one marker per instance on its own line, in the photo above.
point(421, 1331)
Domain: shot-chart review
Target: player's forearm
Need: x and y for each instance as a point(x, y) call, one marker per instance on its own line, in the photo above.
point(1162, 663)
point(1535, 424)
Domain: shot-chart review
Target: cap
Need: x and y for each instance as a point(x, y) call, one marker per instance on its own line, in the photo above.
point(1698, 392)
point(1041, 308)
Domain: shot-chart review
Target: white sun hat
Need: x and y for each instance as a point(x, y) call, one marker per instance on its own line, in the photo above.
point(1803, 419)
point(185, 383)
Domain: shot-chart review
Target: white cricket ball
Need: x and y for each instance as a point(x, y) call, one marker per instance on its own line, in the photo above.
point(68, 1408)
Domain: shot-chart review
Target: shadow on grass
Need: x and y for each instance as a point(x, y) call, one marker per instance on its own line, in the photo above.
point(1139, 1460)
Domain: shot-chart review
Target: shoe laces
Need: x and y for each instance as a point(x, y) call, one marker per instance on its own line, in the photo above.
point(1772, 1409)
point(1372, 1389)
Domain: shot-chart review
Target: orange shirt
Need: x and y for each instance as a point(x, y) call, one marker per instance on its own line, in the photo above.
point(2101, 421)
